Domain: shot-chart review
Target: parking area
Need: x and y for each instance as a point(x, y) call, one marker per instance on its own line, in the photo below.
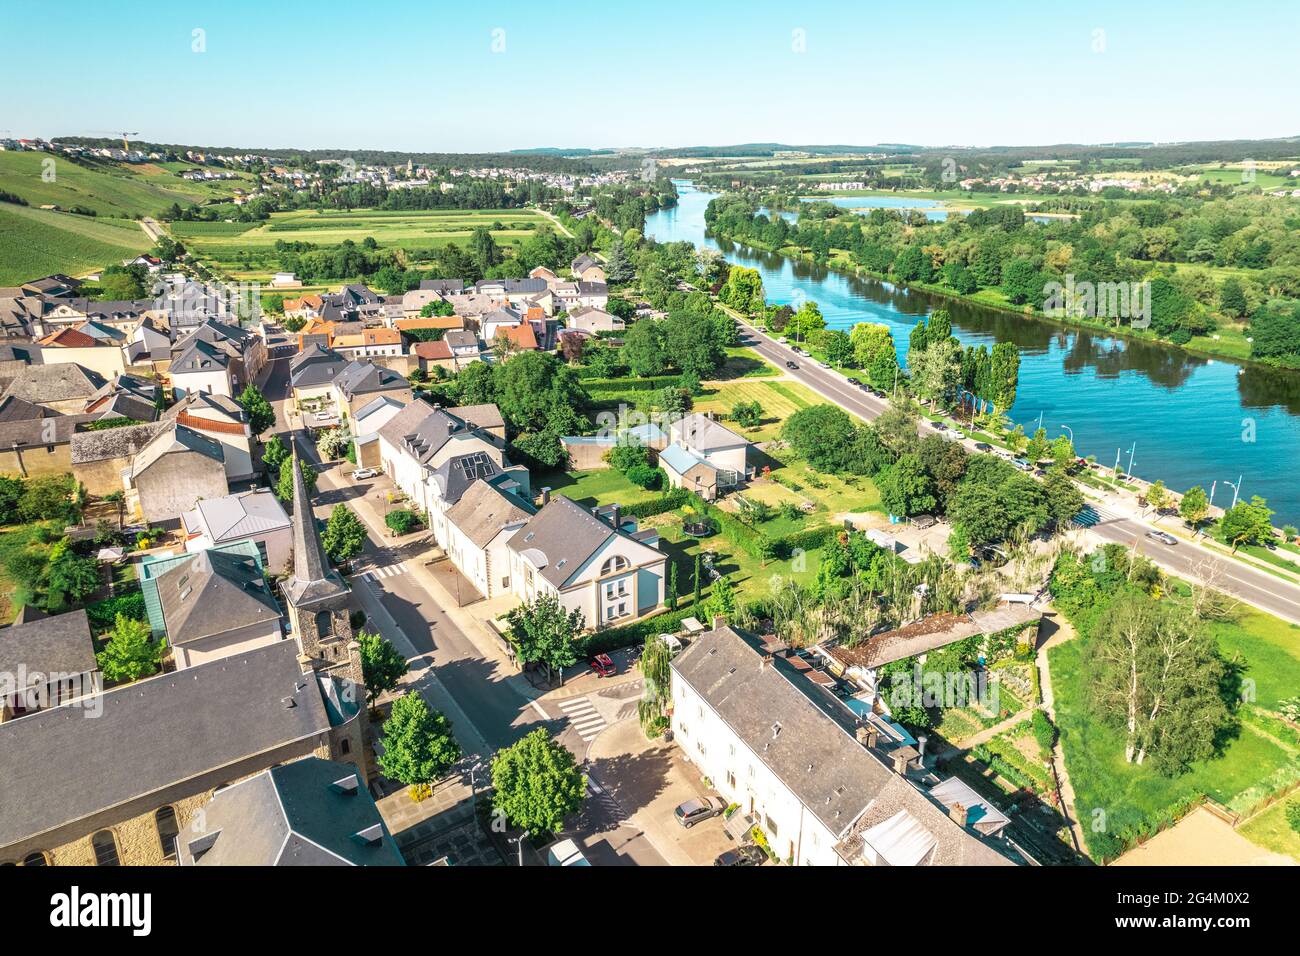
point(648, 779)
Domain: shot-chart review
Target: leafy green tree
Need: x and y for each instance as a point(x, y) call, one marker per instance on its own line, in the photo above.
point(618, 268)
point(284, 484)
point(261, 414)
point(344, 535)
point(419, 747)
point(1158, 496)
point(747, 414)
point(537, 784)
point(821, 434)
point(838, 348)
point(381, 665)
point(71, 575)
point(905, 487)
point(657, 692)
point(1194, 506)
point(670, 595)
point(1063, 498)
point(722, 599)
point(544, 632)
point(643, 348)
point(1247, 522)
point(274, 454)
point(130, 651)
point(401, 520)
point(695, 600)
point(48, 497)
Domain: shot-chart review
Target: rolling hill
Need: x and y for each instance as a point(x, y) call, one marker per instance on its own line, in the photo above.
point(39, 242)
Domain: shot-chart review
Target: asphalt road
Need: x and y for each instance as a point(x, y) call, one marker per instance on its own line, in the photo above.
point(1259, 588)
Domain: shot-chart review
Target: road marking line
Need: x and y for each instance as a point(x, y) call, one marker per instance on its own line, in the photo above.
point(540, 710)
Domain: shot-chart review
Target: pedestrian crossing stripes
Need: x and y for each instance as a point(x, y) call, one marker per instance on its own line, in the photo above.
point(383, 571)
point(1091, 516)
point(602, 796)
point(583, 717)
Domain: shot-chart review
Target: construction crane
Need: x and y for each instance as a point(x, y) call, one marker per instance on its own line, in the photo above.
point(125, 145)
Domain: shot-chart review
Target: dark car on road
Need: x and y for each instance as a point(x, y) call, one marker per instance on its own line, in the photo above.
point(603, 665)
point(748, 855)
point(789, 364)
point(854, 381)
point(693, 811)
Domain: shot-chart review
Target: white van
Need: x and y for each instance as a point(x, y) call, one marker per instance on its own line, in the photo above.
point(565, 853)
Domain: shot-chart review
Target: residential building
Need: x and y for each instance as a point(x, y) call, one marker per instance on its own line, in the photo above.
point(309, 812)
point(586, 269)
point(45, 661)
point(222, 419)
point(213, 604)
point(176, 468)
point(826, 785)
point(90, 345)
point(254, 516)
point(704, 456)
point(593, 320)
point(367, 422)
point(63, 387)
point(595, 562)
point(478, 529)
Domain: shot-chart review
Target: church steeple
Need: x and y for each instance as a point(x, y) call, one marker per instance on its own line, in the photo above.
point(313, 584)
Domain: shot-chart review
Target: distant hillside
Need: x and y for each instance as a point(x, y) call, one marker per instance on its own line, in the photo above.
point(110, 189)
point(38, 242)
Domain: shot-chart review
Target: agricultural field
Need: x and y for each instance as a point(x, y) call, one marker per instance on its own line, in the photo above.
point(39, 242)
point(126, 191)
point(247, 250)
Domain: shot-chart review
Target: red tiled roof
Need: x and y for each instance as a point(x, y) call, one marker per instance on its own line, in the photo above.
point(432, 350)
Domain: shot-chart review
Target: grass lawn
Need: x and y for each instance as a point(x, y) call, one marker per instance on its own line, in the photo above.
point(604, 486)
point(13, 540)
point(779, 400)
point(1134, 798)
point(1271, 831)
point(39, 242)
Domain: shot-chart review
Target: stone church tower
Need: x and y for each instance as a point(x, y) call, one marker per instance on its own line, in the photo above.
point(320, 602)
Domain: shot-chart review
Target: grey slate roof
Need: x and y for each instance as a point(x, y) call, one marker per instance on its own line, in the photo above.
point(15, 409)
point(315, 365)
point(801, 742)
point(302, 813)
point(360, 377)
point(173, 437)
point(109, 443)
point(561, 537)
point(422, 430)
point(214, 592)
point(151, 734)
point(313, 582)
point(60, 382)
point(706, 434)
point(804, 737)
point(482, 416)
point(443, 286)
point(199, 356)
point(484, 510)
point(455, 475)
point(49, 645)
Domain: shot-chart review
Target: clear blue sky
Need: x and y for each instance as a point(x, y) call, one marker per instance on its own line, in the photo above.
point(425, 76)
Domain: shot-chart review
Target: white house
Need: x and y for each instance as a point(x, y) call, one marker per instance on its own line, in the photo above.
point(593, 561)
point(826, 786)
point(704, 456)
point(478, 529)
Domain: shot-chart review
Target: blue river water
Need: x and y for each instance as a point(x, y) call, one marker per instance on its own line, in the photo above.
point(1184, 419)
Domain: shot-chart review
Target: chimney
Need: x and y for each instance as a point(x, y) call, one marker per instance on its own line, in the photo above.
point(546, 497)
point(958, 814)
point(614, 515)
point(901, 760)
point(867, 735)
point(764, 662)
point(719, 621)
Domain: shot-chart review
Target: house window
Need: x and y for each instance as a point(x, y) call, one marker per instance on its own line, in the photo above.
point(105, 848)
point(772, 829)
point(611, 565)
point(699, 745)
point(731, 779)
point(165, 821)
point(36, 859)
point(345, 746)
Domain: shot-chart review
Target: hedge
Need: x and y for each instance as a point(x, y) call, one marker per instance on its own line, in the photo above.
point(631, 635)
point(103, 614)
point(670, 500)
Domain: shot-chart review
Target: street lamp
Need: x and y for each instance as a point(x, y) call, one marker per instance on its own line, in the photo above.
point(1071, 431)
point(1236, 489)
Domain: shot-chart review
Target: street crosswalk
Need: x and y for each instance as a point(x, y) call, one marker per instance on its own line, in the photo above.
point(602, 796)
point(583, 717)
point(376, 572)
point(1091, 516)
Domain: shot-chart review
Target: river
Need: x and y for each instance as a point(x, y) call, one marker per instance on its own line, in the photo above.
point(1187, 420)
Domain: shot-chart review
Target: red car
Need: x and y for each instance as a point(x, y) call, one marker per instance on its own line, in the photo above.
point(603, 665)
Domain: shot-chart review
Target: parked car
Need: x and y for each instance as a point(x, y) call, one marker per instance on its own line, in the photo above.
point(983, 446)
point(361, 474)
point(791, 364)
point(565, 853)
point(603, 665)
point(1164, 537)
point(940, 427)
point(694, 811)
point(854, 381)
point(823, 364)
point(1022, 464)
point(747, 855)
